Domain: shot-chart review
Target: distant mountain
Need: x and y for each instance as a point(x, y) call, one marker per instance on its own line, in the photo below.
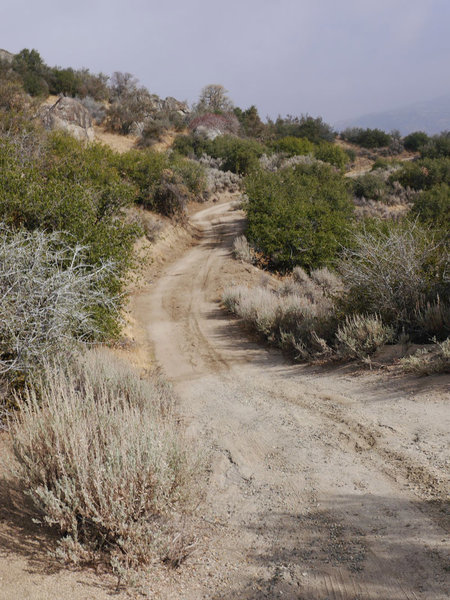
point(432, 116)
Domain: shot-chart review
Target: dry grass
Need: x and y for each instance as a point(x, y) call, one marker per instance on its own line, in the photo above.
point(99, 452)
point(297, 316)
point(300, 316)
point(242, 250)
point(429, 362)
point(361, 335)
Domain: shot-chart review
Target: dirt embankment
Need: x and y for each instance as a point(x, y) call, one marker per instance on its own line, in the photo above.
point(324, 483)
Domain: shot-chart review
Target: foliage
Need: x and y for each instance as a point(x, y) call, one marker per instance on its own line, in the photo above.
point(414, 141)
point(153, 131)
point(298, 216)
point(171, 196)
point(361, 335)
point(219, 124)
point(433, 206)
point(437, 147)
point(131, 107)
point(96, 109)
point(298, 316)
point(148, 170)
point(313, 129)
point(293, 146)
point(242, 250)
point(250, 122)
point(367, 138)
point(332, 154)
point(144, 170)
point(32, 70)
point(423, 174)
point(39, 79)
point(369, 185)
point(429, 361)
point(104, 461)
point(185, 145)
point(192, 174)
point(394, 271)
point(213, 99)
point(48, 293)
point(74, 189)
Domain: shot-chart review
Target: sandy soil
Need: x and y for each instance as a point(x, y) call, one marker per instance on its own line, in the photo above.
point(324, 483)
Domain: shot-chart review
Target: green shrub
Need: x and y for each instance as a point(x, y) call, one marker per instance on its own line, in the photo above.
point(367, 138)
point(153, 131)
point(437, 147)
point(370, 186)
point(293, 146)
point(171, 197)
point(239, 156)
point(144, 170)
point(331, 153)
point(192, 174)
point(76, 190)
point(433, 206)
point(184, 145)
point(103, 460)
point(313, 129)
point(32, 70)
point(423, 174)
point(414, 141)
point(298, 216)
point(250, 122)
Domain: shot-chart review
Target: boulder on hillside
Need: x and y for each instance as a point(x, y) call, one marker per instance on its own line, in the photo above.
point(6, 56)
point(173, 105)
point(69, 115)
point(211, 125)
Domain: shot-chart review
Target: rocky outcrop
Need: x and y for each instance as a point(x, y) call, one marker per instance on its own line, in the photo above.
point(69, 115)
point(210, 126)
point(6, 56)
point(173, 105)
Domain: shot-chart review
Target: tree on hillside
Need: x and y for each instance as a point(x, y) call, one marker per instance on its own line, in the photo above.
point(33, 71)
point(250, 121)
point(214, 99)
point(313, 129)
point(122, 84)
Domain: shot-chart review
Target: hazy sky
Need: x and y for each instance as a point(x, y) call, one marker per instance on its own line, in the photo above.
point(335, 58)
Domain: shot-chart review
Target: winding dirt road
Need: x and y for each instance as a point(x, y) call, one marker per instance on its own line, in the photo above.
point(325, 483)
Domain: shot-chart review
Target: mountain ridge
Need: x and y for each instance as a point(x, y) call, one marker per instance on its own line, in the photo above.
point(431, 116)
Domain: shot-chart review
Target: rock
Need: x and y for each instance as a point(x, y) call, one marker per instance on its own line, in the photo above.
point(6, 56)
point(173, 105)
point(69, 115)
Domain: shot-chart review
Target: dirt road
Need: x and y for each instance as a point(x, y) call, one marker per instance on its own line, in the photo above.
point(325, 484)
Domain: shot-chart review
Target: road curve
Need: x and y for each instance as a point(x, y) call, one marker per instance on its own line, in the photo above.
point(317, 488)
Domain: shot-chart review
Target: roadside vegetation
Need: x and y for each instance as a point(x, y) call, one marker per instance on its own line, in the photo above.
point(105, 462)
point(97, 446)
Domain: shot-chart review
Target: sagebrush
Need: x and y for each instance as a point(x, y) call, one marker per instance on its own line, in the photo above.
point(101, 456)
